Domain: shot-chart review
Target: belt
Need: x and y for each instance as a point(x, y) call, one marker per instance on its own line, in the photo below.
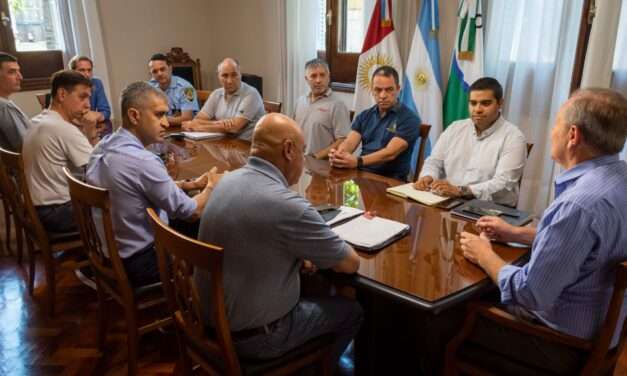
point(248, 333)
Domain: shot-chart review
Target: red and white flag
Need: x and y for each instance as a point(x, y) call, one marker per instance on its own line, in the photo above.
point(380, 48)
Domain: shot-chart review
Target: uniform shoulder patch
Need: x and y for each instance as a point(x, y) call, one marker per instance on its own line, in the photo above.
point(189, 93)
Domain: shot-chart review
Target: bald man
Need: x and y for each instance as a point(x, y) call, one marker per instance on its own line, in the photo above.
point(233, 109)
point(269, 231)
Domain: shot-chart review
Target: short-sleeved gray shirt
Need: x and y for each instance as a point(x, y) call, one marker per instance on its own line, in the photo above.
point(266, 230)
point(323, 121)
point(13, 125)
point(245, 102)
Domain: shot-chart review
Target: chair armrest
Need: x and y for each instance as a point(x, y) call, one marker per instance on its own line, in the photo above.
point(506, 319)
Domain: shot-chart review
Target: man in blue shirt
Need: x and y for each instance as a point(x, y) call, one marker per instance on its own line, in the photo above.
point(99, 102)
point(581, 238)
point(386, 131)
point(137, 179)
point(182, 101)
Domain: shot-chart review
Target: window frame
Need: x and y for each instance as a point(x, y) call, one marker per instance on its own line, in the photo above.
point(343, 65)
point(36, 66)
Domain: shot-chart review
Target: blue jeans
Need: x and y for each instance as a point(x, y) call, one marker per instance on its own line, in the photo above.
point(58, 218)
point(310, 318)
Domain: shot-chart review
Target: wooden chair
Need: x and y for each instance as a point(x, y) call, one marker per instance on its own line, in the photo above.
point(185, 67)
point(109, 272)
point(215, 354)
point(599, 358)
point(44, 100)
point(9, 216)
point(50, 244)
point(420, 158)
point(271, 106)
point(202, 96)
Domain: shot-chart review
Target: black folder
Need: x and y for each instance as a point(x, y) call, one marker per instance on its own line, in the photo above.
point(475, 209)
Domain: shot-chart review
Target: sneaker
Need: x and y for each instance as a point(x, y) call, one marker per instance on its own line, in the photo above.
point(86, 276)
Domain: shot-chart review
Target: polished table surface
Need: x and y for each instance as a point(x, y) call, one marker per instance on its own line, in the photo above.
point(425, 268)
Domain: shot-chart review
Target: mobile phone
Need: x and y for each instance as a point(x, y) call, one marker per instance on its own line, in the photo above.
point(450, 204)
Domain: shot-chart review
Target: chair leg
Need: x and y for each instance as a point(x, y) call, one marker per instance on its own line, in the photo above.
point(19, 237)
point(7, 226)
point(184, 363)
point(132, 339)
point(31, 265)
point(326, 364)
point(103, 317)
point(51, 286)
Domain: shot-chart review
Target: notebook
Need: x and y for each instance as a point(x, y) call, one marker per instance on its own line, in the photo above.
point(202, 135)
point(475, 209)
point(371, 234)
point(423, 197)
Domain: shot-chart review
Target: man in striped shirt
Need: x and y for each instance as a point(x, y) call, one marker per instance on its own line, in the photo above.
point(581, 238)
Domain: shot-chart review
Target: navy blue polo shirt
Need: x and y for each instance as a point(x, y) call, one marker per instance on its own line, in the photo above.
point(376, 133)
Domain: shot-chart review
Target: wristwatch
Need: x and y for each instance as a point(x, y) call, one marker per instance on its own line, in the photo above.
point(465, 191)
point(360, 162)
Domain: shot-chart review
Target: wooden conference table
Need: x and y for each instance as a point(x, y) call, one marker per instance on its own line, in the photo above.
point(424, 273)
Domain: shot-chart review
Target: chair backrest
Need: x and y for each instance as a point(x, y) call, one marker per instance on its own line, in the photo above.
point(185, 67)
point(271, 106)
point(44, 100)
point(599, 359)
point(202, 96)
point(18, 194)
point(106, 262)
point(420, 158)
point(183, 254)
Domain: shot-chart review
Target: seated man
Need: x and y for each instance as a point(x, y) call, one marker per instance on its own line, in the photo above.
point(137, 179)
point(233, 109)
point(13, 122)
point(268, 231)
point(98, 102)
point(387, 132)
point(481, 157)
point(61, 136)
point(182, 102)
point(568, 282)
point(321, 114)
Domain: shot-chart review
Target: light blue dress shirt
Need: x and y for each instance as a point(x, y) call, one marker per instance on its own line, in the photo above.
point(136, 179)
point(580, 240)
point(181, 95)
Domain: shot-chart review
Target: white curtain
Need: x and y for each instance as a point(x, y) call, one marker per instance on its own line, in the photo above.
point(619, 68)
point(83, 35)
point(300, 29)
point(530, 48)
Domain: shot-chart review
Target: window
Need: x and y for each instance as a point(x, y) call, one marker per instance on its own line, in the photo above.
point(31, 30)
point(341, 40)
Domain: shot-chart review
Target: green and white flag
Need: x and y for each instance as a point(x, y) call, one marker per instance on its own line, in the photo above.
point(466, 62)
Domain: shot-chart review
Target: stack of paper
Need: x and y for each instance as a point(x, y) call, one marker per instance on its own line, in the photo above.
point(371, 234)
point(196, 136)
point(423, 197)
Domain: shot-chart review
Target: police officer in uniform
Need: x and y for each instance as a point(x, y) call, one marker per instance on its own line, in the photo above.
point(181, 94)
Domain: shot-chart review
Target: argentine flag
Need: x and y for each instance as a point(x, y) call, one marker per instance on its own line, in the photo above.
point(422, 84)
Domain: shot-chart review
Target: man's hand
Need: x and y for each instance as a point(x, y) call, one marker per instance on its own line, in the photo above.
point(308, 267)
point(497, 229)
point(444, 188)
point(213, 177)
point(477, 249)
point(171, 165)
point(424, 183)
point(187, 125)
point(342, 159)
point(87, 122)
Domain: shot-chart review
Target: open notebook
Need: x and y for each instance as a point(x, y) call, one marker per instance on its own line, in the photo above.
point(371, 234)
point(423, 197)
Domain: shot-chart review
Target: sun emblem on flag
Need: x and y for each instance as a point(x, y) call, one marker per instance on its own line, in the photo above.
point(366, 68)
point(420, 79)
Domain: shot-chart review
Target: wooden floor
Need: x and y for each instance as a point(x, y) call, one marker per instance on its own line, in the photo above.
point(33, 344)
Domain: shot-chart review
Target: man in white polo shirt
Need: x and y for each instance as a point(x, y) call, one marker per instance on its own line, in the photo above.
point(321, 114)
point(233, 109)
point(61, 136)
